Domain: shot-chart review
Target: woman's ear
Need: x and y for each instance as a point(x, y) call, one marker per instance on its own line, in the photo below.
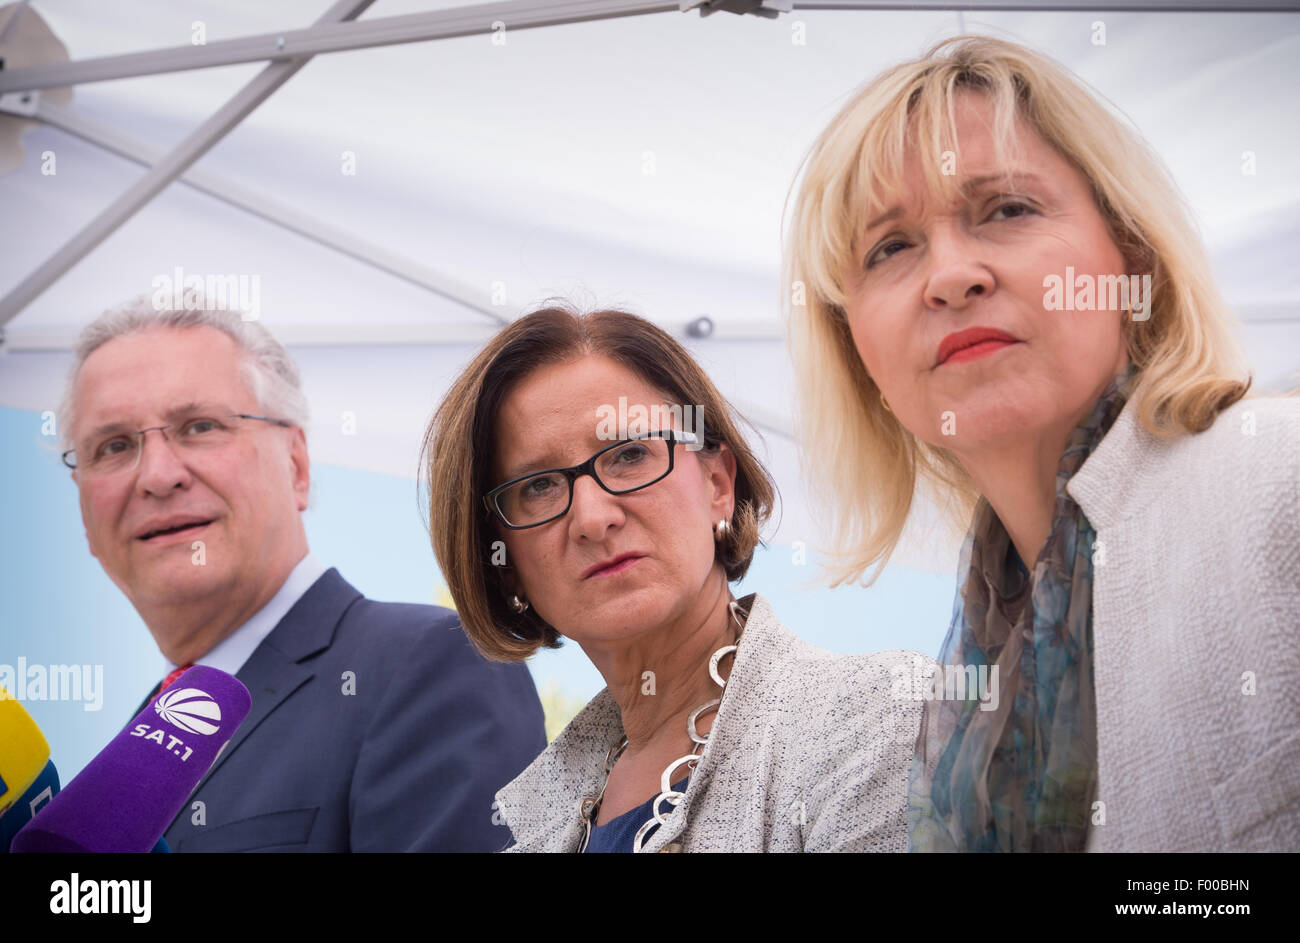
point(508, 581)
point(502, 565)
point(1139, 259)
point(722, 479)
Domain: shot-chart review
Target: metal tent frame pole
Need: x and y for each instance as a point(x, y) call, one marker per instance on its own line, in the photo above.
point(274, 211)
point(319, 231)
point(524, 14)
point(337, 30)
point(174, 163)
point(1062, 6)
point(332, 37)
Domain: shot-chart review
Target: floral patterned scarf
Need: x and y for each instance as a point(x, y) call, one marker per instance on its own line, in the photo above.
point(1017, 771)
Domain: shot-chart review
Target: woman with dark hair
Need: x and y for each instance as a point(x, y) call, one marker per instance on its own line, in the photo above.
point(587, 481)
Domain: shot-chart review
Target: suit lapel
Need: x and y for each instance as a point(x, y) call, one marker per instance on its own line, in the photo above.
point(270, 678)
point(272, 673)
point(145, 703)
point(540, 805)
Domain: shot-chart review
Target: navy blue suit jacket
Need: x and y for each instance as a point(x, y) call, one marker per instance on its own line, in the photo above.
point(409, 762)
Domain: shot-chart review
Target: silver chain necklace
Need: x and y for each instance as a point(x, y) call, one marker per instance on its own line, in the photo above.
point(589, 807)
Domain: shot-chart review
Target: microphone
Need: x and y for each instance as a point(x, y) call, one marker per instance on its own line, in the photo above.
point(126, 796)
point(28, 779)
point(23, 750)
point(21, 746)
point(38, 794)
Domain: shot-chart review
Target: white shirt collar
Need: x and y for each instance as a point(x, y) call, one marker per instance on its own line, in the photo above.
point(230, 653)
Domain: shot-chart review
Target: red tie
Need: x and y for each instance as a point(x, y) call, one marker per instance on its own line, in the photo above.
point(167, 681)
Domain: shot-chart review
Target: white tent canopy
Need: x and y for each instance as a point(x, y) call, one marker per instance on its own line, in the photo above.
point(638, 161)
point(393, 205)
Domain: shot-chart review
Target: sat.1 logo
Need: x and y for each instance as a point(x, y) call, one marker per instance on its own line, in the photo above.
point(191, 710)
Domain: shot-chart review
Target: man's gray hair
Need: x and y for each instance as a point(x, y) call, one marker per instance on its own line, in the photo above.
point(269, 371)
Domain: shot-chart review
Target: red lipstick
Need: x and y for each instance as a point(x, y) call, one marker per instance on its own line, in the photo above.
point(972, 343)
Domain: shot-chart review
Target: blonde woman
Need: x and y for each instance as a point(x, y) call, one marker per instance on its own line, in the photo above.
point(1006, 308)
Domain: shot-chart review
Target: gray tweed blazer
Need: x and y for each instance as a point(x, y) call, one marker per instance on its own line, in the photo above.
point(809, 752)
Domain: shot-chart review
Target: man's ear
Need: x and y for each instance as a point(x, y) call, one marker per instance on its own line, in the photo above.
point(300, 466)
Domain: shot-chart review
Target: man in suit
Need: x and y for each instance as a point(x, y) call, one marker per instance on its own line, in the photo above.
point(374, 726)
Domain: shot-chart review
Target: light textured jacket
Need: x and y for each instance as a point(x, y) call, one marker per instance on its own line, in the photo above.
point(1196, 625)
point(809, 752)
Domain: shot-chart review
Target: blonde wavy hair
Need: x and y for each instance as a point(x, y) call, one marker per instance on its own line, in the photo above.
point(1189, 366)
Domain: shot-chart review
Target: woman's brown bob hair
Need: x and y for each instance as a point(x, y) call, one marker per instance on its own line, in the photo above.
point(459, 452)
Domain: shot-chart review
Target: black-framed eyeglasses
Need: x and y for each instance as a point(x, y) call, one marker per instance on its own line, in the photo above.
point(120, 451)
point(621, 468)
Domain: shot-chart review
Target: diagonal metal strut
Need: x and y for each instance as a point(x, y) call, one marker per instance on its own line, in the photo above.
point(198, 143)
point(275, 211)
